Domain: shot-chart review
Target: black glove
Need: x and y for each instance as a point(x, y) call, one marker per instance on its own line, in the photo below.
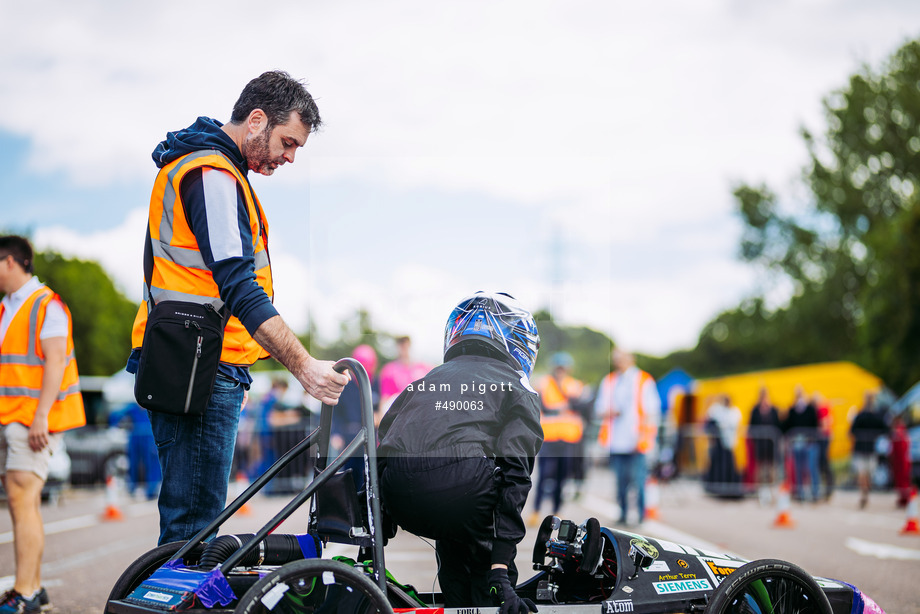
point(503, 594)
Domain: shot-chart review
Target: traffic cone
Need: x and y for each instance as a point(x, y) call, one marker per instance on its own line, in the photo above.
point(652, 498)
point(783, 517)
point(913, 515)
point(112, 511)
point(242, 483)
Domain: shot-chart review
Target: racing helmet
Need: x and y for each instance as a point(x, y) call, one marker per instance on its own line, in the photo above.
point(496, 322)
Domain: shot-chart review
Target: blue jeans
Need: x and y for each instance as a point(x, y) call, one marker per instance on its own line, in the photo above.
point(554, 462)
point(630, 471)
point(805, 458)
point(196, 453)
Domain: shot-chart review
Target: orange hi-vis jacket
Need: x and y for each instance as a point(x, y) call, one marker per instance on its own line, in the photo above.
point(179, 270)
point(558, 420)
point(22, 365)
point(647, 429)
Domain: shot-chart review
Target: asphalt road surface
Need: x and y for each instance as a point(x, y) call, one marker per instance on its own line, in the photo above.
point(85, 553)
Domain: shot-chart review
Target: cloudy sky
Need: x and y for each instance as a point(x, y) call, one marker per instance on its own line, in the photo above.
point(579, 155)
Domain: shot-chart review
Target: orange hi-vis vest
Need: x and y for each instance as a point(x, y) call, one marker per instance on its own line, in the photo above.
point(22, 364)
point(179, 270)
point(560, 423)
point(647, 429)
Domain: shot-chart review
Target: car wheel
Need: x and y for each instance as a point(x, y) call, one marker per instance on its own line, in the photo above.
point(315, 585)
point(769, 586)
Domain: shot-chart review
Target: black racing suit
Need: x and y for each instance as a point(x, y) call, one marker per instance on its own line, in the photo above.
point(456, 450)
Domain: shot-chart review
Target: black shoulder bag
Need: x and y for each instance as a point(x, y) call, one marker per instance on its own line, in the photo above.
point(179, 356)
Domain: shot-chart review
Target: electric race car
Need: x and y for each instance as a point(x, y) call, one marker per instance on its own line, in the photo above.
point(580, 568)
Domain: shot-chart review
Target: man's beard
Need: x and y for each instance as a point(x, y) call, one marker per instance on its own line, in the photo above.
point(258, 156)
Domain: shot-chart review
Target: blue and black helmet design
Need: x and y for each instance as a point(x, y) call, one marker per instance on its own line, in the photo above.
point(497, 320)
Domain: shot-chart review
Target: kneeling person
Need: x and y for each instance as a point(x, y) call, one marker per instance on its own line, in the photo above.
point(456, 453)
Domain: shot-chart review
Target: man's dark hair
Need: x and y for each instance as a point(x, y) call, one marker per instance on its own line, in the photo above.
point(19, 248)
point(277, 94)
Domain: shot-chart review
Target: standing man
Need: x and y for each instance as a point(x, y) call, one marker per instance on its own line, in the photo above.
point(629, 409)
point(563, 428)
point(39, 399)
point(866, 428)
point(208, 243)
point(800, 428)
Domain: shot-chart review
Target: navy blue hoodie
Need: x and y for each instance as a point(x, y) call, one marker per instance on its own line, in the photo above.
point(235, 275)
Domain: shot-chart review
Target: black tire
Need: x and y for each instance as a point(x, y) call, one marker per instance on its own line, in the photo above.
point(144, 566)
point(769, 586)
point(314, 585)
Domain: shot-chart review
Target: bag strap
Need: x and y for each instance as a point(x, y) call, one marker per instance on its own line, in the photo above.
point(148, 268)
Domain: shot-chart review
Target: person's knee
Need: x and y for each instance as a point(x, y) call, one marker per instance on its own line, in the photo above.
point(23, 490)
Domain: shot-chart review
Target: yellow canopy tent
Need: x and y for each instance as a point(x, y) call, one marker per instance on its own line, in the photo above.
point(842, 385)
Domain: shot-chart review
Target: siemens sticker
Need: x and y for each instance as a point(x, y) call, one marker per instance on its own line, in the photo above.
point(683, 586)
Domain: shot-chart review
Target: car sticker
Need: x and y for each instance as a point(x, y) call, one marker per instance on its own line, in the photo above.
point(618, 605)
point(682, 586)
point(719, 567)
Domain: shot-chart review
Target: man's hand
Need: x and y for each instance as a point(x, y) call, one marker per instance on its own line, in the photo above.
point(38, 433)
point(503, 594)
point(322, 382)
point(316, 376)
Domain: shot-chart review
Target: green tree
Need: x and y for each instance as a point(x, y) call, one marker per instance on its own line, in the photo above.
point(589, 348)
point(102, 316)
point(850, 249)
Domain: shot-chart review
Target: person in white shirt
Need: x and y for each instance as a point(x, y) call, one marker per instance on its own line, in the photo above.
point(39, 398)
point(629, 409)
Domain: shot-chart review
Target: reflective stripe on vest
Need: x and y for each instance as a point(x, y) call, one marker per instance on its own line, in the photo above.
point(646, 432)
point(179, 271)
point(22, 369)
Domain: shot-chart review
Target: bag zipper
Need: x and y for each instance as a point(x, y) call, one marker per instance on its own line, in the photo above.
point(191, 381)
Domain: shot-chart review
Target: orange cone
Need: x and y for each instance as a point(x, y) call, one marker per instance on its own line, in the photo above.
point(112, 511)
point(652, 498)
point(783, 517)
point(241, 485)
point(913, 521)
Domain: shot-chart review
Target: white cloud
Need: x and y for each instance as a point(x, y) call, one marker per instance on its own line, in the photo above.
point(620, 124)
point(119, 249)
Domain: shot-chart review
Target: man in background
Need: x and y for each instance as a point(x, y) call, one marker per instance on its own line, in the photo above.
point(563, 428)
point(866, 428)
point(629, 410)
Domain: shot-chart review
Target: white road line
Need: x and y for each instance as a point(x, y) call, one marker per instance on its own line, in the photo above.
point(83, 558)
point(82, 522)
point(60, 526)
point(882, 551)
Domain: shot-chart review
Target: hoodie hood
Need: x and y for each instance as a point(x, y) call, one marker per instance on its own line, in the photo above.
point(205, 133)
